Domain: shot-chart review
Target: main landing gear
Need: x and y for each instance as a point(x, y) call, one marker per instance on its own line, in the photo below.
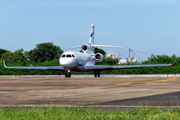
point(96, 73)
point(68, 73)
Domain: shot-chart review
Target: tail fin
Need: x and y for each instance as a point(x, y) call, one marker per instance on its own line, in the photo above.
point(91, 40)
point(91, 43)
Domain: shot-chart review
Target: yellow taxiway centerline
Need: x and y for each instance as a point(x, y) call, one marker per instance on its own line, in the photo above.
point(146, 83)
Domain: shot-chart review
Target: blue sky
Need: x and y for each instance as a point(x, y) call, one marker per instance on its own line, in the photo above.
point(150, 26)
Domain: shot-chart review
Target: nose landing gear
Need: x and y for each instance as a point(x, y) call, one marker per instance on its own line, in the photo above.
point(68, 73)
point(96, 73)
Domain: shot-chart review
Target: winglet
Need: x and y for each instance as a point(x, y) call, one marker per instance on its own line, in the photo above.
point(4, 63)
point(174, 62)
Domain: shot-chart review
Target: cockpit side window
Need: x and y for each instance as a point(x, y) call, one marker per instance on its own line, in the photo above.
point(63, 56)
point(73, 55)
point(68, 55)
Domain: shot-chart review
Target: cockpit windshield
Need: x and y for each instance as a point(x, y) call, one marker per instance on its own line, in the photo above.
point(68, 55)
point(63, 56)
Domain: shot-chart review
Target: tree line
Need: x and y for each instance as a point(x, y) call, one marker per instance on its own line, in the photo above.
point(48, 54)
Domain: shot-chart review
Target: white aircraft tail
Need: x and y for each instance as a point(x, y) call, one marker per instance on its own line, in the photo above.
point(91, 40)
point(88, 48)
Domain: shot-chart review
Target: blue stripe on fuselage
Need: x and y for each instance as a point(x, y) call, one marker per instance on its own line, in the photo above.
point(86, 61)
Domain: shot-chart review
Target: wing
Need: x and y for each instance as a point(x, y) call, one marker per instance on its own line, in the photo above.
point(113, 67)
point(37, 68)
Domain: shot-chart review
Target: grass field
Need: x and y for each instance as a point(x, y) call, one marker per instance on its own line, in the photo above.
point(52, 113)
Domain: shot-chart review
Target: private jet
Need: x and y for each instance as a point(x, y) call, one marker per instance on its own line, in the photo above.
point(84, 61)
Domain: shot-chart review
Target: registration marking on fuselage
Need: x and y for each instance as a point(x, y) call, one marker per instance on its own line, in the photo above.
point(146, 83)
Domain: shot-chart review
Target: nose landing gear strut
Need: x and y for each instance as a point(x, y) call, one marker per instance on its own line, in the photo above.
point(68, 73)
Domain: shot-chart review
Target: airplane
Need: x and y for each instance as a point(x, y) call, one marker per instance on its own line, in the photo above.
point(84, 61)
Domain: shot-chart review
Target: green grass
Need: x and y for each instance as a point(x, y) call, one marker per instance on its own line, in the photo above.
point(86, 114)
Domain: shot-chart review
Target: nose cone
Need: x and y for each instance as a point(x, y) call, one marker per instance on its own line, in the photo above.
point(68, 62)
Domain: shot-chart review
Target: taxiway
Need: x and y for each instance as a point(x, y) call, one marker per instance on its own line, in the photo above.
point(103, 91)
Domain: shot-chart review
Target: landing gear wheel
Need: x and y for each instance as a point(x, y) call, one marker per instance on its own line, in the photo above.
point(67, 74)
point(96, 73)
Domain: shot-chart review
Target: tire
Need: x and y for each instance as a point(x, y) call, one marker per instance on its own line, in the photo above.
point(98, 73)
point(95, 75)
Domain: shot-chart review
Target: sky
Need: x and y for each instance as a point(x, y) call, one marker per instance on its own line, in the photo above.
point(145, 26)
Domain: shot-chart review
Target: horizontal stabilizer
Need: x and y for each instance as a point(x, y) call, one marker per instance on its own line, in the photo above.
point(74, 47)
point(107, 46)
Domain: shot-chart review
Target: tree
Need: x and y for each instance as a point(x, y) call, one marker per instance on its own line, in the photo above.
point(21, 53)
point(163, 59)
point(2, 51)
point(98, 50)
point(44, 52)
point(13, 59)
point(108, 61)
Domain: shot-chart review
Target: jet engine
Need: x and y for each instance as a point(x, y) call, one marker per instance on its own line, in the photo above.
point(84, 47)
point(99, 57)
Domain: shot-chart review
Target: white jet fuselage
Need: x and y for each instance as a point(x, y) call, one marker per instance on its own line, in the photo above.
point(76, 61)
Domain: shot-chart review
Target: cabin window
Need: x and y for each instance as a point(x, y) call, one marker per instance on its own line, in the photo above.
point(68, 56)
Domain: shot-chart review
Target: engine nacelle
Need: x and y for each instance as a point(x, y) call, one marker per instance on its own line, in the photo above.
point(84, 47)
point(99, 57)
